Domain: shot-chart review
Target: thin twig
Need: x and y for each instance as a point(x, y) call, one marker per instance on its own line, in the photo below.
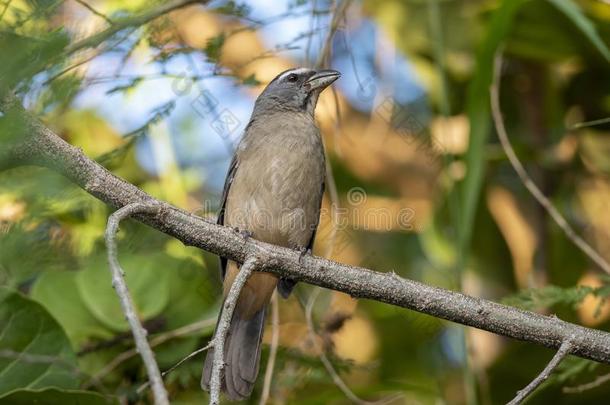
point(275, 340)
point(312, 23)
point(142, 387)
point(129, 22)
point(587, 386)
point(591, 123)
point(526, 179)
point(87, 59)
point(6, 6)
point(323, 60)
point(223, 327)
point(338, 15)
point(156, 341)
point(94, 11)
point(118, 282)
point(563, 351)
point(330, 369)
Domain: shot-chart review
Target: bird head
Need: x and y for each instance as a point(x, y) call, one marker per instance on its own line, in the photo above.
point(295, 90)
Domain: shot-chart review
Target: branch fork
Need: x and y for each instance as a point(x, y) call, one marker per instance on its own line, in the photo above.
point(120, 286)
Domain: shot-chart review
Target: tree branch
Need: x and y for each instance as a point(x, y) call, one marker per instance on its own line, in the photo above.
point(527, 180)
point(275, 341)
point(118, 282)
point(143, 387)
point(337, 380)
point(563, 351)
point(129, 22)
point(337, 17)
point(40, 146)
point(224, 322)
point(155, 341)
point(94, 11)
point(602, 379)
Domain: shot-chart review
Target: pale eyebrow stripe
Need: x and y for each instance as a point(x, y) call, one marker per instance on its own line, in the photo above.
point(295, 71)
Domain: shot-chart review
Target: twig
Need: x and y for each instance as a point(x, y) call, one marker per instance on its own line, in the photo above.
point(275, 340)
point(592, 123)
point(129, 22)
point(223, 327)
point(338, 15)
point(330, 369)
point(526, 179)
point(585, 387)
point(85, 60)
point(118, 282)
point(331, 186)
point(6, 6)
point(94, 11)
point(156, 341)
point(133, 22)
point(563, 351)
point(312, 23)
point(142, 387)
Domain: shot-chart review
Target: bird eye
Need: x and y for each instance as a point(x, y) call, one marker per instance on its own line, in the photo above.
point(292, 78)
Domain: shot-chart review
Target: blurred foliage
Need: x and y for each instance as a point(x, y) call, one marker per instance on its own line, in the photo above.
point(471, 223)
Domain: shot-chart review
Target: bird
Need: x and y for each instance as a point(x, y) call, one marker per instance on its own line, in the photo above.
point(272, 193)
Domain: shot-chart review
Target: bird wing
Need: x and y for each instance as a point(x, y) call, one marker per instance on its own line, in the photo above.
point(223, 203)
point(286, 285)
point(315, 228)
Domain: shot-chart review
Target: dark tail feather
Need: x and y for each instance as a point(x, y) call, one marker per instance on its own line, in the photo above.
point(242, 357)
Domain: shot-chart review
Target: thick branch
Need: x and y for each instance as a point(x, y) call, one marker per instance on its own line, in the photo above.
point(118, 282)
point(43, 147)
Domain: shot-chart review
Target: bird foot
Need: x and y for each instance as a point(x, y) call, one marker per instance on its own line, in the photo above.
point(244, 233)
point(303, 251)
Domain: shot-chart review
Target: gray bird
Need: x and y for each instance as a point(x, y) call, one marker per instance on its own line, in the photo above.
point(273, 191)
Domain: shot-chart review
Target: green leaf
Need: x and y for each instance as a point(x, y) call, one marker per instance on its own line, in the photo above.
point(545, 297)
point(58, 292)
point(234, 9)
point(146, 277)
point(213, 47)
point(251, 81)
point(34, 350)
point(580, 20)
point(17, 267)
point(190, 287)
point(28, 55)
point(478, 114)
point(53, 396)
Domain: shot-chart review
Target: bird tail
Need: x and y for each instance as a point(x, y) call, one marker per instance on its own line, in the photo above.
point(242, 352)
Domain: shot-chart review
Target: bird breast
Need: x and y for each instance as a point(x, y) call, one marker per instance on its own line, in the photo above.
point(277, 189)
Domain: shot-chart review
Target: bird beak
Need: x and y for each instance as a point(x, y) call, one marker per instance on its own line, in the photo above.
point(322, 79)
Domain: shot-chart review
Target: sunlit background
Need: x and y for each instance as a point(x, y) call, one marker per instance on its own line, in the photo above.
point(418, 184)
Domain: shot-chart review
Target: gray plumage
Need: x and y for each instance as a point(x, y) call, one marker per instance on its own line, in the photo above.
point(273, 191)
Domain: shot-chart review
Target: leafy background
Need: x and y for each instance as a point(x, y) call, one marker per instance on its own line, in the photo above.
point(423, 186)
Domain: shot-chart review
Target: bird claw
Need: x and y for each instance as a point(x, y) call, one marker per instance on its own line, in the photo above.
point(244, 233)
point(303, 251)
